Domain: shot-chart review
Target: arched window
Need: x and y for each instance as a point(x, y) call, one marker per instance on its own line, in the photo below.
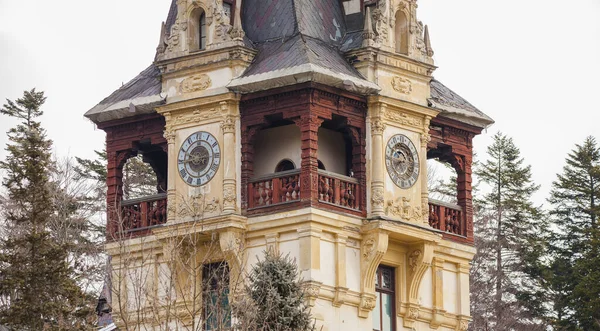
point(285, 165)
point(321, 165)
point(202, 31)
point(197, 30)
point(401, 33)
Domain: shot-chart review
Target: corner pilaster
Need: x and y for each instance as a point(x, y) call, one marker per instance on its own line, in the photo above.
point(373, 247)
point(377, 165)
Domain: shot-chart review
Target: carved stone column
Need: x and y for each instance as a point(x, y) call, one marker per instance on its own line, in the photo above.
point(228, 127)
point(309, 179)
point(377, 167)
point(425, 138)
point(172, 159)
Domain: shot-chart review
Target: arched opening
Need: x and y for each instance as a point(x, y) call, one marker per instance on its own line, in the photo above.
point(401, 33)
point(321, 165)
point(197, 30)
point(285, 165)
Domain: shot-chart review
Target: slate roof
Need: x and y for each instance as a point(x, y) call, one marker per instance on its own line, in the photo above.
point(143, 90)
point(453, 105)
point(297, 39)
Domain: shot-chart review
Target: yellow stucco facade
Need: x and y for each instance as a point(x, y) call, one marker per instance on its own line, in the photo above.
point(155, 276)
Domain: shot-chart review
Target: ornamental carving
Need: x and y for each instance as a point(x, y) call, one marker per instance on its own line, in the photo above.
point(403, 118)
point(367, 303)
point(413, 259)
point(413, 313)
point(229, 198)
point(402, 208)
point(377, 126)
point(228, 124)
point(222, 26)
point(381, 22)
point(195, 116)
point(195, 83)
point(402, 85)
point(198, 206)
point(377, 198)
point(463, 325)
point(369, 247)
point(169, 135)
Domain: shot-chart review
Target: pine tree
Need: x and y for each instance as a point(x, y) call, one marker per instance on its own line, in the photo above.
point(575, 269)
point(35, 284)
point(506, 291)
point(276, 295)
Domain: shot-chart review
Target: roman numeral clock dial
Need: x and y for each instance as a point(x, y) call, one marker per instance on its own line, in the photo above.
point(199, 158)
point(402, 161)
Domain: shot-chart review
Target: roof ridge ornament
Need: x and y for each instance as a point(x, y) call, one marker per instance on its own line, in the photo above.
point(237, 33)
point(368, 33)
point(427, 41)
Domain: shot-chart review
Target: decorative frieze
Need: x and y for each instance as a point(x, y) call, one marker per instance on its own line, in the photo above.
point(402, 85)
point(403, 209)
point(195, 83)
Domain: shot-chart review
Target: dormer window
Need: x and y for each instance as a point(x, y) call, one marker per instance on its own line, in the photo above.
point(197, 30)
point(228, 10)
point(202, 31)
point(401, 33)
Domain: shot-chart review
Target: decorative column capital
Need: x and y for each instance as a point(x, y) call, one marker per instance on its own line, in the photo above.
point(228, 124)
point(377, 127)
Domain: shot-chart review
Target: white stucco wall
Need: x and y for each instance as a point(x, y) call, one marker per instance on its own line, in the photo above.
point(426, 289)
point(332, 151)
point(450, 288)
point(276, 144)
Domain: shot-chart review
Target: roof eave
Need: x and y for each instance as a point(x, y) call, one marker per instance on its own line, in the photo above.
point(462, 115)
point(307, 72)
point(125, 108)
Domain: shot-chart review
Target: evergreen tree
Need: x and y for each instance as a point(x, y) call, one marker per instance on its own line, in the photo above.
point(35, 284)
point(276, 295)
point(506, 291)
point(575, 268)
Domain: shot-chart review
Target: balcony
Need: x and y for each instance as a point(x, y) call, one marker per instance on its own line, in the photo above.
point(447, 217)
point(272, 190)
point(339, 191)
point(281, 190)
point(140, 215)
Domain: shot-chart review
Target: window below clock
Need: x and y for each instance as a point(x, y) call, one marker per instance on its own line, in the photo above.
point(384, 313)
point(215, 296)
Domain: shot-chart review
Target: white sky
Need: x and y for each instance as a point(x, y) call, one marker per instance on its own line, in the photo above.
point(532, 65)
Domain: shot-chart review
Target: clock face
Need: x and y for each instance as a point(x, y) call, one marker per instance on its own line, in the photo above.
point(199, 158)
point(402, 161)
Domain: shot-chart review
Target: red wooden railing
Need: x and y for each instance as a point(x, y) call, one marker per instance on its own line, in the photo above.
point(277, 188)
point(138, 214)
point(339, 190)
point(446, 217)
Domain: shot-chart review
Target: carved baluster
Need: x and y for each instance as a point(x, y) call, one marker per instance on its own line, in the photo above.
point(442, 215)
point(276, 190)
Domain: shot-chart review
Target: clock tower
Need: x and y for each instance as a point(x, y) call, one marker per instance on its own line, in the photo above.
point(300, 126)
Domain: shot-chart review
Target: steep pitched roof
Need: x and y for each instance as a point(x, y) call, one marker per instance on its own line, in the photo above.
point(142, 93)
point(454, 106)
point(297, 41)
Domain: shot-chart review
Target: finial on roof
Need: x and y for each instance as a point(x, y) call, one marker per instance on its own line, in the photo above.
point(368, 33)
point(162, 44)
point(428, 42)
point(237, 33)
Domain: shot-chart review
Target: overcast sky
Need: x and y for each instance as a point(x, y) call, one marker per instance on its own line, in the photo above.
point(532, 65)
